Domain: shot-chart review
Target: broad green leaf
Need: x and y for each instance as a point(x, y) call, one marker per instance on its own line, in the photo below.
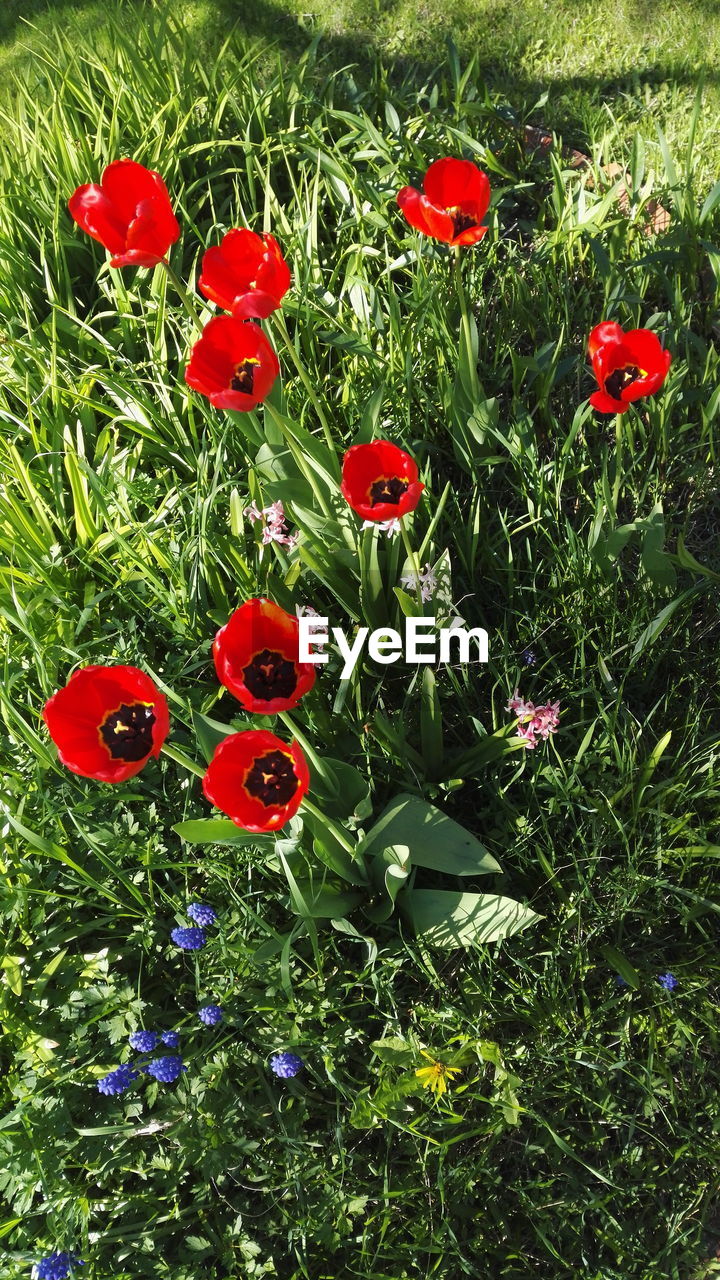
point(322, 903)
point(447, 919)
point(209, 733)
point(434, 840)
point(395, 1050)
point(343, 792)
point(220, 831)
point(389, 871)
point(622, 966)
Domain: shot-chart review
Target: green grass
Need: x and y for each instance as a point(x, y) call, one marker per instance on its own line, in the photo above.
point(586, 1142)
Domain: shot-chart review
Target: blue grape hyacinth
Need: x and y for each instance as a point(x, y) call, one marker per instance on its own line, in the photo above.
point(189, 939)
point(57, 1266)
point(286, 1065)
point(144, 1041)
point(210, 1014)
point(166, 1069)
point(202, 914)
point(668, 981)
point(119, 1080)
point(171, 1039)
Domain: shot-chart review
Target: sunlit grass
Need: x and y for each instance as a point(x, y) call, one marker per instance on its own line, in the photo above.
point(580, 1132)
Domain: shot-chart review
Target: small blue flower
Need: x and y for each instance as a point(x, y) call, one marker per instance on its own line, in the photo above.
point(668, 981)
point(286, 1065)
point(189, 939)
point(166, 1069)
point(144, 1041)
point(202, 914)
point(621, 981)
point(210, 1014)
point(58, 1266)
point(529, 657)
point(119, 1080)
point(171, 1039)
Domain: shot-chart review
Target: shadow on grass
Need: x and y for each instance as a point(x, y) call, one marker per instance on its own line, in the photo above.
point(486, 31)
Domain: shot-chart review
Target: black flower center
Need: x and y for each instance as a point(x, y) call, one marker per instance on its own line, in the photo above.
point(127, 732)
point(270, 675)
point(620, 379)
point(461, 221)
point(272, 779)
point(244, 377)
point(388, 489)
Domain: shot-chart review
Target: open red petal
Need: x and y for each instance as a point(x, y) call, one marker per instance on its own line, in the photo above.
point(452, 182)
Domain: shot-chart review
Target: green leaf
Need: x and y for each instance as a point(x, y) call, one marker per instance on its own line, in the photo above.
point(220, 831)
point(209, 733)
point(485, 752)
point(395, 1050)
point(343, 792)
point(320, 902)
point(710, 203)
point(431, 727)
point(655, 561)
point(622, 966)
point(13, 974)
point(658, 624)
point(389, 872)
point(447, 919)
point(434, 840)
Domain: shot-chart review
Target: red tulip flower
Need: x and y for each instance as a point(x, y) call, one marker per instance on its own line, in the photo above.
point(245, 274)
point(232, 363)
point(627, 366)
point(455, 200)
point(256, 658)
point(380, 481)
point(129, 212)
point(107, 722)
point(257, 779)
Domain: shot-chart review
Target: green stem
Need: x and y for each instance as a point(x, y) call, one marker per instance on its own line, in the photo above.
point(307, 747)
point(412, 557)
point(278, 321)
point(182, 293)
point(176, 754)
point(618, 460)
point(296, 451)
point(465, 321)
point(337, 830)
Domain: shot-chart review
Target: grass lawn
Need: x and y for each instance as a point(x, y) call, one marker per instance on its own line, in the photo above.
point(579, 1133)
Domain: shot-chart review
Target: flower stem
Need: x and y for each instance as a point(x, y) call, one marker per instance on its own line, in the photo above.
point(412, 557)
point(182, 293)
point(175, 754)
point(618, 460)
point(332, 826)
point(307, 747)
point(465, 321)
point(278, 321)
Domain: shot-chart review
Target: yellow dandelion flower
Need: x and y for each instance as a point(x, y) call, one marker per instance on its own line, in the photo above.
point(435, 1077)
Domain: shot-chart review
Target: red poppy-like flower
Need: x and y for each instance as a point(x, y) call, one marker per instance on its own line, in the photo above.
point(257, 779)
point(455, 200)
point(107, 722)
point(232, 363)
point(627, 365)
point(128, 211)
point(380, 481)
point(245, 274)
point(256, 658)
